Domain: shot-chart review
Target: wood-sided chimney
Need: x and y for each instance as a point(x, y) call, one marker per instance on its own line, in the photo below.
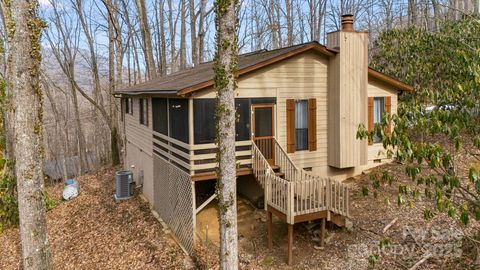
point(347, 95)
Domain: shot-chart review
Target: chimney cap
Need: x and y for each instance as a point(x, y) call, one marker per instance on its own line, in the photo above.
point(347, 22)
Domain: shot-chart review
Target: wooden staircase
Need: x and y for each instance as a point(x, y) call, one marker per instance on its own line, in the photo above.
point(296, 195)
point(277, 171)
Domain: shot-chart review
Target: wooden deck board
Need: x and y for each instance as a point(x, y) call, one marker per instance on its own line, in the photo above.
point(213, 175)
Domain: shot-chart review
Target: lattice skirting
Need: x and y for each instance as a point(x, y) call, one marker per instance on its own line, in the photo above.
point(174, 200)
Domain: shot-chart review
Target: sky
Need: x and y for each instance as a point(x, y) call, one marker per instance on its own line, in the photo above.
point(95, 12)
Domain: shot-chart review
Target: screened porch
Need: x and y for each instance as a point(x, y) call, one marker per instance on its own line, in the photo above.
point(184, 132)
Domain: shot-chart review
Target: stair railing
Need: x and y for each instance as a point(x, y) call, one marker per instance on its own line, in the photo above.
point(276, 189)
point(285, 163)
point(301, 192)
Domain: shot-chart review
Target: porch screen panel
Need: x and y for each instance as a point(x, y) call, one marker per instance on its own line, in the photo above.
point(160, 117)
point(263, 122)
point(178, 118)
point(242, 126)
point(204, 120)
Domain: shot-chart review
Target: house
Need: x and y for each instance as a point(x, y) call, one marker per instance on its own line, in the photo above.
point(298, 109)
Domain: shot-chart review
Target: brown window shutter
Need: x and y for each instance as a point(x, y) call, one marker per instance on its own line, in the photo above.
point(370, 117)
point(290, 126)
point(312, 124)
point(388, 109)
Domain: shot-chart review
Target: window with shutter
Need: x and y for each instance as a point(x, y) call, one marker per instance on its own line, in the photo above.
point(301, 125)
point(370, 117)
point(312, 124)
point(378, 110)
point(388, 109)
point(290, 125)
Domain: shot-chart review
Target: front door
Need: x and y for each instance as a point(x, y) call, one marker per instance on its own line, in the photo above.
point(263, 130)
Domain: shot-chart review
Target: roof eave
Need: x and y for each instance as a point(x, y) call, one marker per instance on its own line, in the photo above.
point(390, 80)
point(148, 92)
point(314, 46)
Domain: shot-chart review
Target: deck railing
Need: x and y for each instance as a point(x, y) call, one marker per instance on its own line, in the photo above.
point(261, 168)
point(196, 158)
point(300, 192)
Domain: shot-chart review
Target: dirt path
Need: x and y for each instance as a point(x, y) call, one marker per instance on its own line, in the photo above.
point(93, 231)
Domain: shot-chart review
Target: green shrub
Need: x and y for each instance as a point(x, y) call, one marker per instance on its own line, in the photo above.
point(8, 201)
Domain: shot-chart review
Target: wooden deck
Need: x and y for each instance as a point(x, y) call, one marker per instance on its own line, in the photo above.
point(298, 196)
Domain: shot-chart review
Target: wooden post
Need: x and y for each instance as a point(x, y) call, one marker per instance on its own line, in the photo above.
point(290, 244)
point(322, 232)
point(191, 140)
point(270, 229)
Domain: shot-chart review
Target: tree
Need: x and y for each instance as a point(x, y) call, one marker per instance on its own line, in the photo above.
point(147, 41)
point(225, 68)
point(65, 52)
point(433, 144)
point(24, 30)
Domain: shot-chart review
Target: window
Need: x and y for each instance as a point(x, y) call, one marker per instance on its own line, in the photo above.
point(128, 105)
point(204, 120)
point(301, 125)
point(160, 115)
point(378, 110)
point(143, 107)
point(178, 119)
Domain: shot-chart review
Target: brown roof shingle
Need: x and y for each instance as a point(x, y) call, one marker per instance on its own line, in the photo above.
point(201, 76)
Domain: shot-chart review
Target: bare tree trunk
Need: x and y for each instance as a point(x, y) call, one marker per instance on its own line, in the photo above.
point(160, 29)
point(172, 26)
point(301, 22)
point(130, 41)
point(274, 39)
point(97, 91)
point(259, 28)
point(78, 5)
point(225, 69)
point(23, 80)
point(119, 54)
point(436, 13)
point(289, 17)
point(147, 40)
point(114, 139)
point(322, 8)
point(60, 127)
point(193, 31)
point(201, 32)
point(312, 5)
point(412, 12)
point(183, 38)
point(163, 43)
point(278, 23)
point(65, 53)
point(81, 148)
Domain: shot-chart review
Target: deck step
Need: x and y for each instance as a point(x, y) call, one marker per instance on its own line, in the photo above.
point(275, 168)
point(280, 174)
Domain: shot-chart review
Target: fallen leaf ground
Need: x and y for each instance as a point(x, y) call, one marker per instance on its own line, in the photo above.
point(93, 231)
point(410, 238)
